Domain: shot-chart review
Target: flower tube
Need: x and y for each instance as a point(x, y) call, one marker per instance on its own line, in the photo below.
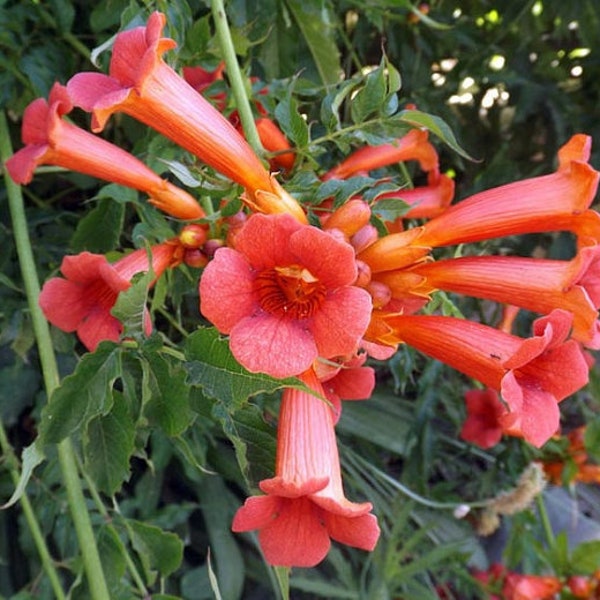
point(143, 86)
point(539, 285)
point(555, 202)
point(305, 506)
point(51, 140)
point(532, 374)
point(82, 301)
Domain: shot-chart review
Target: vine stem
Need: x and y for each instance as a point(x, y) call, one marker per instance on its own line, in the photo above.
point(66, 451)
point(234, 74)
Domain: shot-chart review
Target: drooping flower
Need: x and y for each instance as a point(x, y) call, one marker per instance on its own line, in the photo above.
point(51, 140)
point(285, 296)
point(82, 301)
point(532, 374)
point(482, 425)
point(539, 285)
point(305, 506)
point(143, 86)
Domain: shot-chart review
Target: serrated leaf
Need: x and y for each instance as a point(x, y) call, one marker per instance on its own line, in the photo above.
point(389, 209)
point(330, 106)
point(112, 553)
point(435, 125)
point(291, 121)
point(130, 307)
point(312, 20)
point(253, 440)
point(108, 445)
point(212, 366)
point(168, 402)
point(157, 549)
point(371, 97)
point(83, 395)
point(100, 229)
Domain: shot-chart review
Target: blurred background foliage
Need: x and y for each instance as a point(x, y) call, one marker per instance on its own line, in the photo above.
point(513, 80)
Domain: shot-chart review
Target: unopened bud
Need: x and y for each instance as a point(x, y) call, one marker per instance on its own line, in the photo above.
point(380, 293)
point(193, 257)
point(212, 246)
point(364, 238)
point(364, 274)
point(350, 217)
point(192, 236)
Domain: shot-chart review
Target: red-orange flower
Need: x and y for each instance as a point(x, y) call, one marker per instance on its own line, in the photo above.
point(530, 587)
point(83, 300)
point(482, 425)
point(51, 140)
point(532, 374)
point(555, 202)
point(142, 85)
point(413, 146)
point(305, 506)
point(539, 285)
point(285, 296)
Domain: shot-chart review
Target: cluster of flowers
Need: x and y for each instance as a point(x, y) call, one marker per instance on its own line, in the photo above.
point(508, 585)
point(306, 301)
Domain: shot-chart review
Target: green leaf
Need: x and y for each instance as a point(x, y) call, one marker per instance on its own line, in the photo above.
point(112, 552)
point(157, 549)
point(83, 395)
point(313, 22)
point(100, 229)
point(435, 125)
point(371, 97)
point(213, 367)
point(330, 107)
point(130, 307)
point(592, 439)
point(289, 118)
point(389, 209)
point(31, 457)
point(586, 557)
point(108, 445)
point(168, 395)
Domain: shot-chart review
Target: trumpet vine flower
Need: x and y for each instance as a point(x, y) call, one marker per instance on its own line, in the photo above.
point(305, 506)
point(83, 299)
point(49, 139)
point(484, 411)
point(285, 296)
point(539, 285)
point(142, 85)
point(532, 375)
point(556, 202)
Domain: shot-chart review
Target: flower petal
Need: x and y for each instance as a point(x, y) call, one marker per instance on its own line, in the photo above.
point(276, 346)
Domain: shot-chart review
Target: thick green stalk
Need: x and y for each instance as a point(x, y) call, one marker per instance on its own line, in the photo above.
point(32, 522)
point(235, 76)
point(66, 451)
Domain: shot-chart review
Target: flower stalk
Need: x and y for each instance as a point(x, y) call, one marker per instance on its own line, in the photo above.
point(66, 452)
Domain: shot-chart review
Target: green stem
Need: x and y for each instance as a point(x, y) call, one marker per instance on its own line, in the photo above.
point(66, 452)
point(547, 527)
point(32, 522)
point(235, 76)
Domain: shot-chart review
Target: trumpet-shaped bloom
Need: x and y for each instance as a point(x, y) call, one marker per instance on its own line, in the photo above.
point(285, 296)
point(413, 146)
point(143, 86)
point(82, 301)
point(539, 285)
point(532, 375)
point(305, 506)
point(51, 140)
point(555, 202)
point(530, 587)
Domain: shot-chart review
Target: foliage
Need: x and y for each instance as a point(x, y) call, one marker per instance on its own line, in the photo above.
point(171, 432)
